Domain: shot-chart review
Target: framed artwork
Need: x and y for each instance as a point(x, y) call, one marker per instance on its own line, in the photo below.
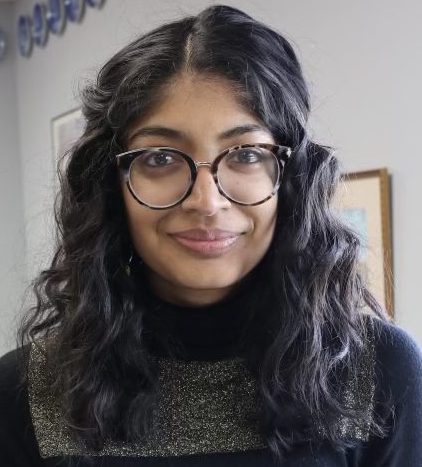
point(65, 131)
point(364, 202)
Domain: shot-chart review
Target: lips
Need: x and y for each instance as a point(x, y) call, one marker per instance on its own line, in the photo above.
point(207, 243)
point(206, 235)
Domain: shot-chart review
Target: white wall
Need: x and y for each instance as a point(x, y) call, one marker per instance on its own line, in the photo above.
point(12, 238)
point(362, 62)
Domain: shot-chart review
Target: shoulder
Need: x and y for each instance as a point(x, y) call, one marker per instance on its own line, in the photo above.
point(12, 368)
point(397, 365)
point(17, 439)
point(13, 387)
point(398, 361)
point(398, 397)
point(393, 338)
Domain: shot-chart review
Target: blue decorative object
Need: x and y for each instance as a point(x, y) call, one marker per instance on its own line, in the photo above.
point(56, 16)
point(95, 3)
point(49, 16)
point(75, 10)
point(25, 35)
point(358, 219)
point(39, 25)
point(3, 43)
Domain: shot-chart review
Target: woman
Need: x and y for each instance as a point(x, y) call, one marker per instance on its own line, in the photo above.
point(204, 305)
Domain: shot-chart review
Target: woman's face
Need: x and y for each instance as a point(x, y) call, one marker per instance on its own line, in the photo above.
point(199, 111)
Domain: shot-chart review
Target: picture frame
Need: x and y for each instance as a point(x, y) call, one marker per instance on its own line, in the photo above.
point(66, 129)
point(364, 201)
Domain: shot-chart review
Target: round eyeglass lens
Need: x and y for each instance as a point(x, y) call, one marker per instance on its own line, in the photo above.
point(159, 178)
point(248, 175)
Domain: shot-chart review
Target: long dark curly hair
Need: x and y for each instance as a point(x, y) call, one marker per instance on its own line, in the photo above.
point(311, 327)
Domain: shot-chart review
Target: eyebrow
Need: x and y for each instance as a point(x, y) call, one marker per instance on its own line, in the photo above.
point(180, 135)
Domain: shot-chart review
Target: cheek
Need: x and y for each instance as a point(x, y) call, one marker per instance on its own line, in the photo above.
point(268, 224)
point(142, 222)
point(265, 217)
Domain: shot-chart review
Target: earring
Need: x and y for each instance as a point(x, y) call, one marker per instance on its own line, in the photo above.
point(130, 260)
point(127, 267)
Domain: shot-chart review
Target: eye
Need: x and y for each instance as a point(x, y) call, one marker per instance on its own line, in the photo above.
point(159, 159)
point(246, 156)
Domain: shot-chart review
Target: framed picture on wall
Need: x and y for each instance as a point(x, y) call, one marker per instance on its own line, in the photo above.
point(363, 199)
point(66, 129)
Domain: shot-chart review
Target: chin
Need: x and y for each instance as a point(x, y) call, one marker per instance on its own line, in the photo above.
point(207, 283)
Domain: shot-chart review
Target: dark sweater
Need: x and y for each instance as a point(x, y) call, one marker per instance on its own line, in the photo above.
point(222, 437)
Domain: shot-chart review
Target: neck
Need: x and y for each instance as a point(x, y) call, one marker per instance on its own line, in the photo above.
point(196, 333)
point(188, 297)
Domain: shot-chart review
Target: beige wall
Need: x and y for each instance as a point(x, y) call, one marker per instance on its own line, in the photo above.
point(363, 64)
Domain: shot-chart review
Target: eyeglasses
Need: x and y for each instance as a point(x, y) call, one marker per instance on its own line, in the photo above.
point(163, 177)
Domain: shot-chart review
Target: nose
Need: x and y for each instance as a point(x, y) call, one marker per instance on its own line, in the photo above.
point(205, 197)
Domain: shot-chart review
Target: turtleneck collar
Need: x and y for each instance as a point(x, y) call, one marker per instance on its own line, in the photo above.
point(210, 332)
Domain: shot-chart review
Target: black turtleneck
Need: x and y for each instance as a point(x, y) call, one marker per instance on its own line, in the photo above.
point(209, 332)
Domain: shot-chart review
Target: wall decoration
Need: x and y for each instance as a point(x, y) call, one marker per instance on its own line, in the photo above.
point(75, 10)
point(52, 17)
point(56, 16)
point(363, 199)
point(95, 3)
point(3, 45)
point(39, 25)
point(65, 131)
point(25, 40)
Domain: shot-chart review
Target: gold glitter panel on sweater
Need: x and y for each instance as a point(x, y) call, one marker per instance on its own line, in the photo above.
point(359, 392)
point(204, 407)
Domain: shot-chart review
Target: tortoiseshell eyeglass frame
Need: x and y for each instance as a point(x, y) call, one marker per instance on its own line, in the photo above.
point(124, 160)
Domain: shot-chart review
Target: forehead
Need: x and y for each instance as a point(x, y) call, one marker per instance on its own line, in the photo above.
point(194, 89)
point(198, 106)
point(190, 90)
